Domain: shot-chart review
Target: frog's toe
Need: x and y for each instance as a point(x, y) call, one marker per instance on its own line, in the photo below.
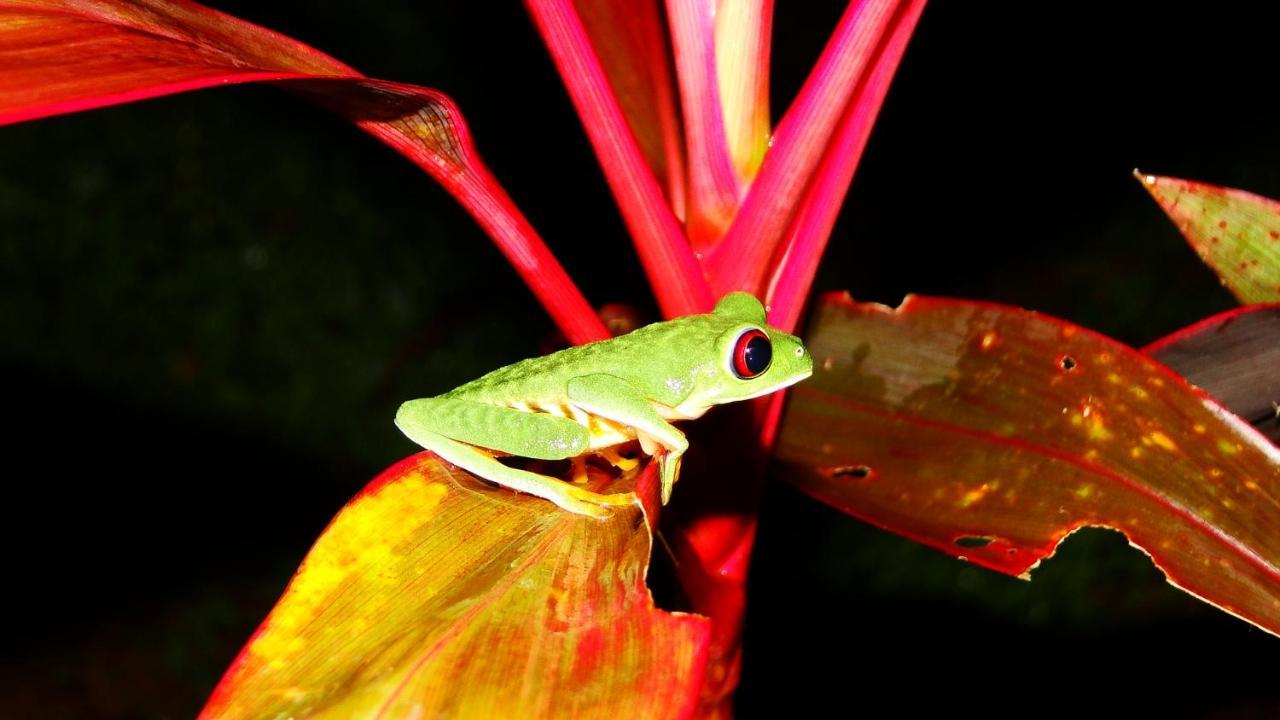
point(618, 460)
point(584, 502)
point(617, 499)
point(587, 509)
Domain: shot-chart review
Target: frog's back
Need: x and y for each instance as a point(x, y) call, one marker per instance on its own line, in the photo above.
point(537, 379)
point(647, 351)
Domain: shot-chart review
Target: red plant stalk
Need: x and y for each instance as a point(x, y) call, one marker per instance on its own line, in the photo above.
point(769, 245)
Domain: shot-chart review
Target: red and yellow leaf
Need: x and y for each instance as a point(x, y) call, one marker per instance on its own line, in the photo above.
point(1235, 232)
point(993, 433)
point(433, 594)
point(61, 56)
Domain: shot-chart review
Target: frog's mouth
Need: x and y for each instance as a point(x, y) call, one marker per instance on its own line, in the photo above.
point(774, 388)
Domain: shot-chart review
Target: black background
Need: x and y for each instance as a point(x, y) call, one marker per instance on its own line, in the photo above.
point(212, 304)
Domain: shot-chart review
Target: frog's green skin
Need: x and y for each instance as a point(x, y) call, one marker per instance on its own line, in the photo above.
point(598, 395)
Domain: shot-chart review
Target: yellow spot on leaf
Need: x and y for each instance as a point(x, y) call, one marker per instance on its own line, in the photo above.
point(989, 340)
point(1163, 441)
point(1228, 447)
point(1098, 428)
point(1135, 452)
point(1084, 491)
point(975, 495)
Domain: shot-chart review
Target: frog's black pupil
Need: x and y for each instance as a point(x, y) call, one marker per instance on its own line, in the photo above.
point(758, 355)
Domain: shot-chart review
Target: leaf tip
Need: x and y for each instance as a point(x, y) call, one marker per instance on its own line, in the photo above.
point(1147, 180)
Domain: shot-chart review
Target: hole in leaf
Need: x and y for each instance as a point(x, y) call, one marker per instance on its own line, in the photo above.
point(1067, 363)
point(973, 541)
point(857, 472)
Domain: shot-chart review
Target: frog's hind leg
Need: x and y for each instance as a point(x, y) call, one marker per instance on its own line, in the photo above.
point(454, 428)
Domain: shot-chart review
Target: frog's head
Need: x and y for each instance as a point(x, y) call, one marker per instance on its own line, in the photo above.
point(753, 359)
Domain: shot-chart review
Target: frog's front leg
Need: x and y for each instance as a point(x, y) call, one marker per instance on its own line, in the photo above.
point(616, 399)
point(461, 430)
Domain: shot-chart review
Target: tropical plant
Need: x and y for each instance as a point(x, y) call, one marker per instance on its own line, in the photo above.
point(986, 431)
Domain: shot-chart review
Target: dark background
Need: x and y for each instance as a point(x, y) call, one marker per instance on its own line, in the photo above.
point(212, 304)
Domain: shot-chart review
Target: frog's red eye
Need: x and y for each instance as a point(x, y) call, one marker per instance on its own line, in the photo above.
point(752, 353)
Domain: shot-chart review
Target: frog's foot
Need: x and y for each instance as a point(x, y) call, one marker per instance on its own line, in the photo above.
point(585, 502)
point(481, 463)
point(617, 459)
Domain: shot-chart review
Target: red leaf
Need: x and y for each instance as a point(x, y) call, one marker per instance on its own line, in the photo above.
point(1236, 233)
point(433, 594)
point(1233, 356)
point(711, 526)
point(993, 433)
point(815, 216)
point(674, 272)
point(67, 55)
point(742, 259)
point(713, 181)
point(630, 40)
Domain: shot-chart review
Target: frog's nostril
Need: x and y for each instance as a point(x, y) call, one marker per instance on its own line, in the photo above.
point(799, 352)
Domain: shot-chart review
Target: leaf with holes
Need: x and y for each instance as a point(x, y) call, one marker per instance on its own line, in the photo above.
point(1236, 233)
point(434, 594)
point(992, 433)
point(1233, 356)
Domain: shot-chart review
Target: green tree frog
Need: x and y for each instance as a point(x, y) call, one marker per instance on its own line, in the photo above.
point(596, 396)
